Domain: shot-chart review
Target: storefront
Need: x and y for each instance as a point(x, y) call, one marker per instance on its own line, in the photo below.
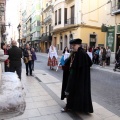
point(110, 40)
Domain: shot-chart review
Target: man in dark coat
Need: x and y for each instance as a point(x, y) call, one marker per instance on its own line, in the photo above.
point(27, 54)
point(15, 55)
point(78, 89)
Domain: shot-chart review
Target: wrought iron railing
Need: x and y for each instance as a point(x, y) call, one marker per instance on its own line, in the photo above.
point(70, 21)
point(116, 8)
point(46, 34)
point(47, 18)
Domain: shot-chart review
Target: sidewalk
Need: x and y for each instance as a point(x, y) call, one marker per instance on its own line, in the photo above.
point(43, 101)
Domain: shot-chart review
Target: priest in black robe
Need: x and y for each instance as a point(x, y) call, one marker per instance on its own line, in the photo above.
point(78, 87)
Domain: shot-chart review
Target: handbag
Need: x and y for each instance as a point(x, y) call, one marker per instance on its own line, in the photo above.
point(25, 60)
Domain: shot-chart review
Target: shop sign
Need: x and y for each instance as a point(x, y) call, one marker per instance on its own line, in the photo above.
point(118, 29)
point(110, 37)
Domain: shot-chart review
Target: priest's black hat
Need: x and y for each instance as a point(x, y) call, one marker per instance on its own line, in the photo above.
point(76, 41)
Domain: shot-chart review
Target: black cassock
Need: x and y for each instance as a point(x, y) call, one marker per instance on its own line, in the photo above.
point(65, 78)
point(79, 83)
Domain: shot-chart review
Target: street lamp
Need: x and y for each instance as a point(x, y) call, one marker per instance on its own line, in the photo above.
point(19, 28)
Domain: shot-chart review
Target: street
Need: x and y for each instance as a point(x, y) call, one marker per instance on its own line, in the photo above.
point(105, 85)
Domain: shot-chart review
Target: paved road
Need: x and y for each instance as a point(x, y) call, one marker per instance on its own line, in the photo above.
point(105, 85)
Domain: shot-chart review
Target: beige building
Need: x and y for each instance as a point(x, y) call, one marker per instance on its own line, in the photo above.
point(95, 22)
point(2, 20)
point(46, 24)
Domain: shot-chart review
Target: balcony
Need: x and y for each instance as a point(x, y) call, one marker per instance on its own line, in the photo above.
point(70, 21)
point(48, 19)
point(48, 6)
point(46, 34)
point(116, 9)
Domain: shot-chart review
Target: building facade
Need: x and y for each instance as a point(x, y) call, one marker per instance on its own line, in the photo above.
point(46, 25)
point(2, 20)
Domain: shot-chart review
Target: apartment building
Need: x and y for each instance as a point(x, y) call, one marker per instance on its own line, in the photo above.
point(70, 22)
point(24, 33)
point(46, 24)
point(35, 24)
point(65, 22)
point(2, 20)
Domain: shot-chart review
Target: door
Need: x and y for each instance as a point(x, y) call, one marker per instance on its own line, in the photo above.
point(118, 42)
point(45, 46)
point(55, 41)
point(92, 40)
point(65, 41)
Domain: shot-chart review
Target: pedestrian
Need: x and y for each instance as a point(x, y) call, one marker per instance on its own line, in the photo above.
point(117, 53)
point(33, 58)
point(28, 59)
point(89, 52)
point(8, 46)
point(78, 89)
point(65, 55)
point(96, 54)
point(103, 52)
point(108, 55)
point(6, 62)
point(100, 56)
point(15, 55)
point(52, 57)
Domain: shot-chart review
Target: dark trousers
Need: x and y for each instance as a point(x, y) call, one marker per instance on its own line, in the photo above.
point(28, 65)
point(32, 64)
point(7, 69)
point(108, 61)
point(16, 68)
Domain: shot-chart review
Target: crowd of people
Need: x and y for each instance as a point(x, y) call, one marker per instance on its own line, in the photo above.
point(100, 55)
point(16, 54)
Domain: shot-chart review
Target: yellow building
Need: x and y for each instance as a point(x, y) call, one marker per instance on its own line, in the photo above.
point(82, 19)
point(46, 25)
point(70, 22)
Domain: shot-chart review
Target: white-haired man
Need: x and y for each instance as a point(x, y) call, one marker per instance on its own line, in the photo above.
point(15, 55)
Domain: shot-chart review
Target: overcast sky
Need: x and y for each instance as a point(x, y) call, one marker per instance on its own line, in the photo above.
point(12, 17)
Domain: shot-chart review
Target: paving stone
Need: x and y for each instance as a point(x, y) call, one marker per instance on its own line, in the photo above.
point(113, 118)
point(49, 110)
point(28, 114)
point(42, 98)
point(63, 116)
point(51, 102)
point(28, 99)
point(47, 117)
point(34, 105)
point(103, 113)
point(89, 116)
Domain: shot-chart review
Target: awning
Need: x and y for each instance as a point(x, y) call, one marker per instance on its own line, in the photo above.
point(46, 38)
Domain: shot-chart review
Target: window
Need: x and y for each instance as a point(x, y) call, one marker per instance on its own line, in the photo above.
point(49, 29)
point(56, 17)
point(61, 43)
point(46, 29)
point(59, 22)
point(65, 15)
point(37, 34)
point(38, 23)
point(115, 5)
point(118, 4)
point(72, 15)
